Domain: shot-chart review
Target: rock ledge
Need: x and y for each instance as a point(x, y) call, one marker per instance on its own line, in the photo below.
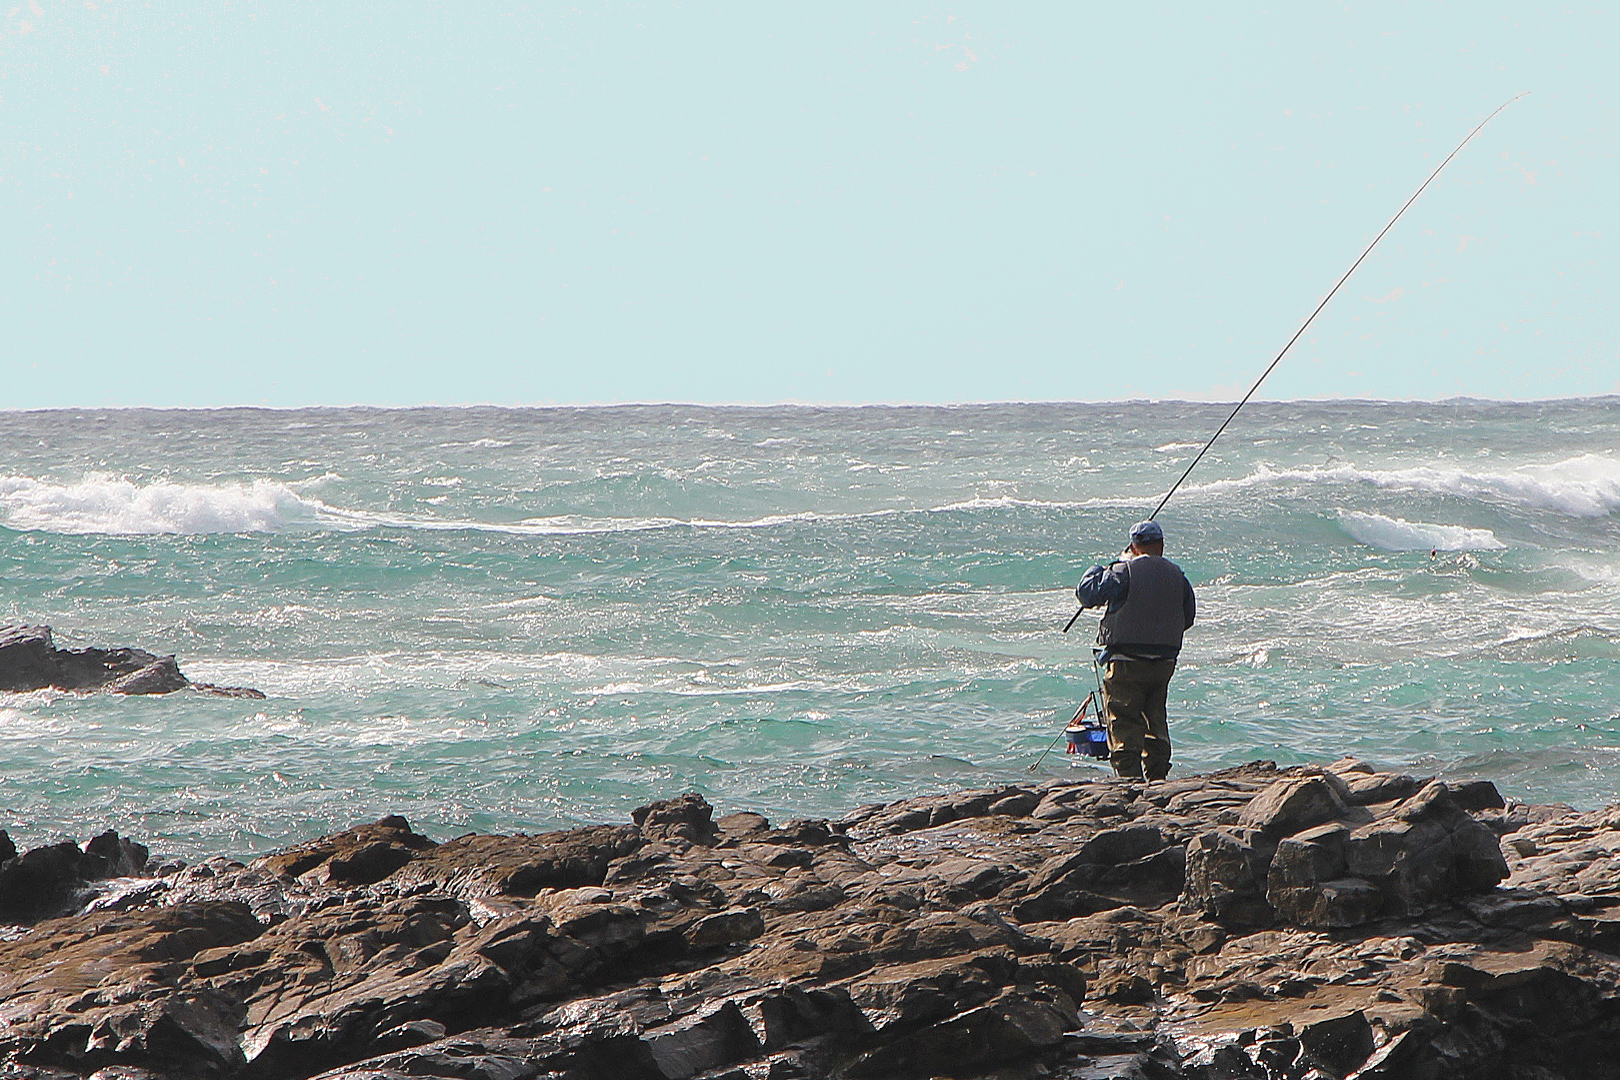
point(1256, 922)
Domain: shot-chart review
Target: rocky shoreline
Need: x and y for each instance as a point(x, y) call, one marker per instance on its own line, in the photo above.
point(1257, 922)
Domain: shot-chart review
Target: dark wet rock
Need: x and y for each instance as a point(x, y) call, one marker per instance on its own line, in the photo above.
point(1012, 1027)
point(688, 818)
point(1133, 864)
point(109, 988)
point(1367, 789)
point(270, 897)
point(1319, 859)
point(743, 825)
point(1226, 880)
point(39, 882)
point(51, 880)
point(1257, 922)
point(30, 660)
point(1308, 884)
point(161, 676)
point(109, 855)
point(359, 856)
point(1477, 795)
point(478, 866)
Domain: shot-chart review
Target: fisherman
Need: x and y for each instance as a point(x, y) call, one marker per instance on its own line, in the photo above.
point(1150, 605)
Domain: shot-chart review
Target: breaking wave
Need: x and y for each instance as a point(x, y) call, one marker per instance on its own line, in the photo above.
point(1583, 486)
point(101, 504)
point(1395, 534)
point(107, 505)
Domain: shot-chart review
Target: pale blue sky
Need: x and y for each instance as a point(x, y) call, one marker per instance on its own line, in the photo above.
point(293, 203)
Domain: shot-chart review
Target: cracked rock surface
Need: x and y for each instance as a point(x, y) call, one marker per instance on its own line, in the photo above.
point(1256, 922)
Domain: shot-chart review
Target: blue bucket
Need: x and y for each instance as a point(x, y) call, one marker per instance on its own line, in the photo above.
point(1097, 742)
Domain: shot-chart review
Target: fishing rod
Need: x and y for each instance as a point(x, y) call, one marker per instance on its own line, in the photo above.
point(1078, 713)
point(1312, 317)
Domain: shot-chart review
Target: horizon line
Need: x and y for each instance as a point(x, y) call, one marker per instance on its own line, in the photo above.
point(806, 405)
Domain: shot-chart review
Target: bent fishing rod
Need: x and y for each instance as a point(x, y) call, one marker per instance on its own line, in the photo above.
point(1312, 317)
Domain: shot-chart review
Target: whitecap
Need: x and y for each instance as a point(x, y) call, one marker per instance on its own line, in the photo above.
point(19, 726)
point(1583, 486)
point(325, 478)
point(104, 504)
point(1397, 534)
point(1000, 502)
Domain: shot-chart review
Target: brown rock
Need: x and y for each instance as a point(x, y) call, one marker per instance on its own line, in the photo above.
point(477, 866)
point(111, 988)
point(688, 818)
point(906, 940)
point(1295, 804)
point(358, 856)
point(1226, 880)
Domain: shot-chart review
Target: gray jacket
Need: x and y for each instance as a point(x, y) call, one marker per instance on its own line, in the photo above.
point(1150, 606)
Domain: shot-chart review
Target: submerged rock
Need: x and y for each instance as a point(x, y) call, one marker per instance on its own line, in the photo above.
point(1256, 922)
point(29, 660)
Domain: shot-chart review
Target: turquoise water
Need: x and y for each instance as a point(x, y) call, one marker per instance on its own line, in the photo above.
point(493, 619)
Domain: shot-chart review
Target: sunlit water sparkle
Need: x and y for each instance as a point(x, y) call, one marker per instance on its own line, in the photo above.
point(523, 619)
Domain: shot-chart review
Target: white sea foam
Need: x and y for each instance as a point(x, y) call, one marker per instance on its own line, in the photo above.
point(20, 726)
point(1583, 486)
point(1397, 534)
point(1000, 502)
point(104, 504)
point(576, 525)
point(568, 525)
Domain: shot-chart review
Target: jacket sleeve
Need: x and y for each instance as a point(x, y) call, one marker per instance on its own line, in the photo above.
point(1189, 603)
point(1101, 585)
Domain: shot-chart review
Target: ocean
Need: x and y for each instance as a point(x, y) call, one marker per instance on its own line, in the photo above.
point(524, 619)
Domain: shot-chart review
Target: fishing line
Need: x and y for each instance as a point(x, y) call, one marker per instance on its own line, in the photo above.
point(1306, 324)
point(1325, 300)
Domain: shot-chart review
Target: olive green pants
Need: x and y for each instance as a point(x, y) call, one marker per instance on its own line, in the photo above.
point(1135, 693)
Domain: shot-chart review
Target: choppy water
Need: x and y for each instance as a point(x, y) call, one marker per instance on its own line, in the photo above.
point(520, 619)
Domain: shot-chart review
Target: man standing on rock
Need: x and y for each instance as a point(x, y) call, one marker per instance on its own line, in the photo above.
point(1150, 605)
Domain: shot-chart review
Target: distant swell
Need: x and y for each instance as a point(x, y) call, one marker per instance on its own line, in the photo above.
point(1394, 534)
point(1584, 486)
point(107, 505)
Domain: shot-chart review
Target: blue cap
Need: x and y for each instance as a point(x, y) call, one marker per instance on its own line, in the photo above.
point(1147, 532)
